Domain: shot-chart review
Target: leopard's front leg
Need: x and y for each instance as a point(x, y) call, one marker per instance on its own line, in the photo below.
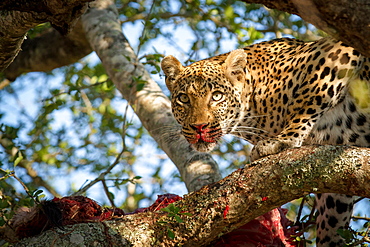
point(293, 135)
point(269, 146)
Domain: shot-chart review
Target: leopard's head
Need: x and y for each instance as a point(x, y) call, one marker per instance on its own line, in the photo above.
point(207, 96)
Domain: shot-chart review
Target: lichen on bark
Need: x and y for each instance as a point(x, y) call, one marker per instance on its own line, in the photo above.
point(344, 20)
point(247, 193)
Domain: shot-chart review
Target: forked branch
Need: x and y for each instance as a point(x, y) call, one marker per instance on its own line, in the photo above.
point(246, 193)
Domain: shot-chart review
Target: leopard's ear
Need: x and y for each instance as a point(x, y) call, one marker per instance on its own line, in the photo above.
point(234, 66)
point(171, 68)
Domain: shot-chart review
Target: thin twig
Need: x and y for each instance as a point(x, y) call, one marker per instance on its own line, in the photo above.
point(145, 27)
point(116, 161)
point(34, 198)
point(27, 165)
point(106, 190)
point(101, 176)
point(360, 218)
point(20, 181)
point(71, 90)
point(300, 210)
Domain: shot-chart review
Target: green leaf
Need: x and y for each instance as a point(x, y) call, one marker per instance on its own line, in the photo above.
point(111, 195)
point(140, 86)
point(166, 209)
point(229, 11)
point(170, 233)
point(187, 214)
point(37, 193)
point(346, 234)
point(103, 77)
point(40, 197)
point(18, 159)
point(2, 221)
point(178, 219)
point(175, 210)
point(4, 203)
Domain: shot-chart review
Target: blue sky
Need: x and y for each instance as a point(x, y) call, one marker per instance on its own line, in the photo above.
point(183, 37)
point(27, 94)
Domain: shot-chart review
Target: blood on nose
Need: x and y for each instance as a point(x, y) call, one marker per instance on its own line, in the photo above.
point(199, 127)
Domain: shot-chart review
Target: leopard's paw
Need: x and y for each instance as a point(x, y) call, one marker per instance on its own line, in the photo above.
point(267, 147)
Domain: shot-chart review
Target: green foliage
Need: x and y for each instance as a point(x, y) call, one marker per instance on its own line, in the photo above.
point(359, 236)
point(154, 61)
point(174, 214)
point(73, 120)
point(211, 23)
point(10, 199)
point(18, 159)
point(33, 33)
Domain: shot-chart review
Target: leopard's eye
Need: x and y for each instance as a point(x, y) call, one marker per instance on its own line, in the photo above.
point(217, 96)
point(183, 98)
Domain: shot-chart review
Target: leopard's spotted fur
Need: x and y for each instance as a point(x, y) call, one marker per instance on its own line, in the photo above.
point(278, 94)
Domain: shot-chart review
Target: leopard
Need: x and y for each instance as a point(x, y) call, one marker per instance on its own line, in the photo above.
point(278, 94)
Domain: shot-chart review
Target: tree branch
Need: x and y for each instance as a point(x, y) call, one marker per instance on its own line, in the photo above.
point(103, 30)
point(62, 15)
point(15, 21)
point(249, 192)
point(345, 20)
point(48, 51)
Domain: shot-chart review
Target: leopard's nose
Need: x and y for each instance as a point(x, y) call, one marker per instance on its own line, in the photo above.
point(199, 127)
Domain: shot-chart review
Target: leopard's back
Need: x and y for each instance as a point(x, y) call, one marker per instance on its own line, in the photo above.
point(278, 94)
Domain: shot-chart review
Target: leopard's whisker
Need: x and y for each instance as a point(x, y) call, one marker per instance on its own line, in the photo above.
point(242, 128)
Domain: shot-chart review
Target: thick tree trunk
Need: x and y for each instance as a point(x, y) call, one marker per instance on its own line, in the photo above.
point(277, 179)
point(248, 193)
point(345, 20)
point(103, 31)
point(18, 17)
point(48, 51)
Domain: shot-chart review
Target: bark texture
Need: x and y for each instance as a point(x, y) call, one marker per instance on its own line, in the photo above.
point(278, 178)
point(345, 20)
point(17, 17)
point(53, 49)
point(103, 31)
point(248, 192)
